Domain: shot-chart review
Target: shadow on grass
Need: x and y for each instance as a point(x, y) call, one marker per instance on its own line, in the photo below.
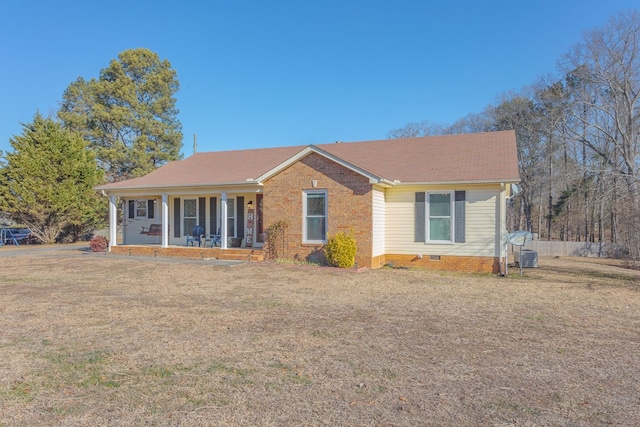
point(588, 278)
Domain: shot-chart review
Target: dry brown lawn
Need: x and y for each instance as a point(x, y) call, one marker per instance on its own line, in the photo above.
point(99, 340)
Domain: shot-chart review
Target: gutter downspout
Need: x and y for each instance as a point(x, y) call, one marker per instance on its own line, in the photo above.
point(503, 229)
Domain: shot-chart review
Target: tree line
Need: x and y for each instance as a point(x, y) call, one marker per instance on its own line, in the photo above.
point(578, 137)
point(120, 125)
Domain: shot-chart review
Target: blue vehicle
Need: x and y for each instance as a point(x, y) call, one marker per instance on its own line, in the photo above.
point(14, 236)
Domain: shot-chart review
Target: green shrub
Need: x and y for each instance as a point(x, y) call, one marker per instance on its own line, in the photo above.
point(340, 250)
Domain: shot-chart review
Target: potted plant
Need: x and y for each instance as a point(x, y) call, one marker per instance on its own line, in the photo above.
point(235, 242)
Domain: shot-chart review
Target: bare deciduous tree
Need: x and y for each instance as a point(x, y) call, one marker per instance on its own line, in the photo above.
point(604, 73)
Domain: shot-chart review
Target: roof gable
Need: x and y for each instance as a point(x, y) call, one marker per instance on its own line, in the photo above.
point(314, 149)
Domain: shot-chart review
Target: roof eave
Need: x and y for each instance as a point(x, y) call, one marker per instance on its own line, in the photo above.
point(107, 189)
point(466, 182)
point(384, 183)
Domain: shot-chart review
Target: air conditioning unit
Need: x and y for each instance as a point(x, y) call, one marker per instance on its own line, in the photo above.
point(529, 258)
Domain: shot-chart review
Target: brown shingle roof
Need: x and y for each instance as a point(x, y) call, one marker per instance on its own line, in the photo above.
point(489, 156)
point(481, 157)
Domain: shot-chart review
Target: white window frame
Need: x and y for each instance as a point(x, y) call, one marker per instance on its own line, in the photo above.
point(451, 216)
point(305, 194)
point(231, 203)
point(136, 207)
point(187, 230)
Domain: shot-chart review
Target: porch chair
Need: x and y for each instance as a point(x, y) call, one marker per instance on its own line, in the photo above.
point(215, 239)
point(195, 236)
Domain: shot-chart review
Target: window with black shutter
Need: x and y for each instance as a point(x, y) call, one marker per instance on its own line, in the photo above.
point(437, 217)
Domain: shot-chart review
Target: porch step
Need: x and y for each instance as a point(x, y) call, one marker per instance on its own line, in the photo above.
point(241, 255)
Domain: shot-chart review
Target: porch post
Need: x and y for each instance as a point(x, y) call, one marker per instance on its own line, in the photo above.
point(113, 222)
point(223, 220)
point(165, 220)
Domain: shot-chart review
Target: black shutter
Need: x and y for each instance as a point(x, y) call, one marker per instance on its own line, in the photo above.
point(202, 212)
point(176, 217)
point(213, 215)
point(420, 218)
point(151, 204)
point(240, 216)
point(460, 216)
point(132, 209)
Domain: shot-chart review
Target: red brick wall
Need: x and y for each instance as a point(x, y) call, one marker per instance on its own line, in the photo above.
point(349, 202)
point(466, 264)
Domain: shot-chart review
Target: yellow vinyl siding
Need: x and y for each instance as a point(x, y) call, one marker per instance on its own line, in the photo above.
point(379, 225)
point(481, 223)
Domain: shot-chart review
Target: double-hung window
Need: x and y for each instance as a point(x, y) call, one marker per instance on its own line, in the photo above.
point(314, 207)
point(440, 218)
point(231, 217)
point(141, 208)
point(189, 214)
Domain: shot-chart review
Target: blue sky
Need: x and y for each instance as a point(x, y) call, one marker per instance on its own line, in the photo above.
point(257, 73)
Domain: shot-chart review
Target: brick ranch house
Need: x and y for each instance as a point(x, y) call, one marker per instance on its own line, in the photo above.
point(436, 202)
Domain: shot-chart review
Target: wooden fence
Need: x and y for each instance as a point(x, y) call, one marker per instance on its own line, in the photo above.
point(583, 249)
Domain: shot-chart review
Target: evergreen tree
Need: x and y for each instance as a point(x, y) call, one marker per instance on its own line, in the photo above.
point(47, 182)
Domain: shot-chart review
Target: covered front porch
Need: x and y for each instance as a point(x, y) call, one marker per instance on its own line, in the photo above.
point(167, 222)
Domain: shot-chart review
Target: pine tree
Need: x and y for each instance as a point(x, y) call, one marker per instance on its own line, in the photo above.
point(128, 114)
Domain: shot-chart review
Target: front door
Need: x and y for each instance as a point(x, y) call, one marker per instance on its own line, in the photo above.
point(259, 223)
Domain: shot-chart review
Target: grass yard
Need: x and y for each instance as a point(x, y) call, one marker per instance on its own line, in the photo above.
point(99, 340)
